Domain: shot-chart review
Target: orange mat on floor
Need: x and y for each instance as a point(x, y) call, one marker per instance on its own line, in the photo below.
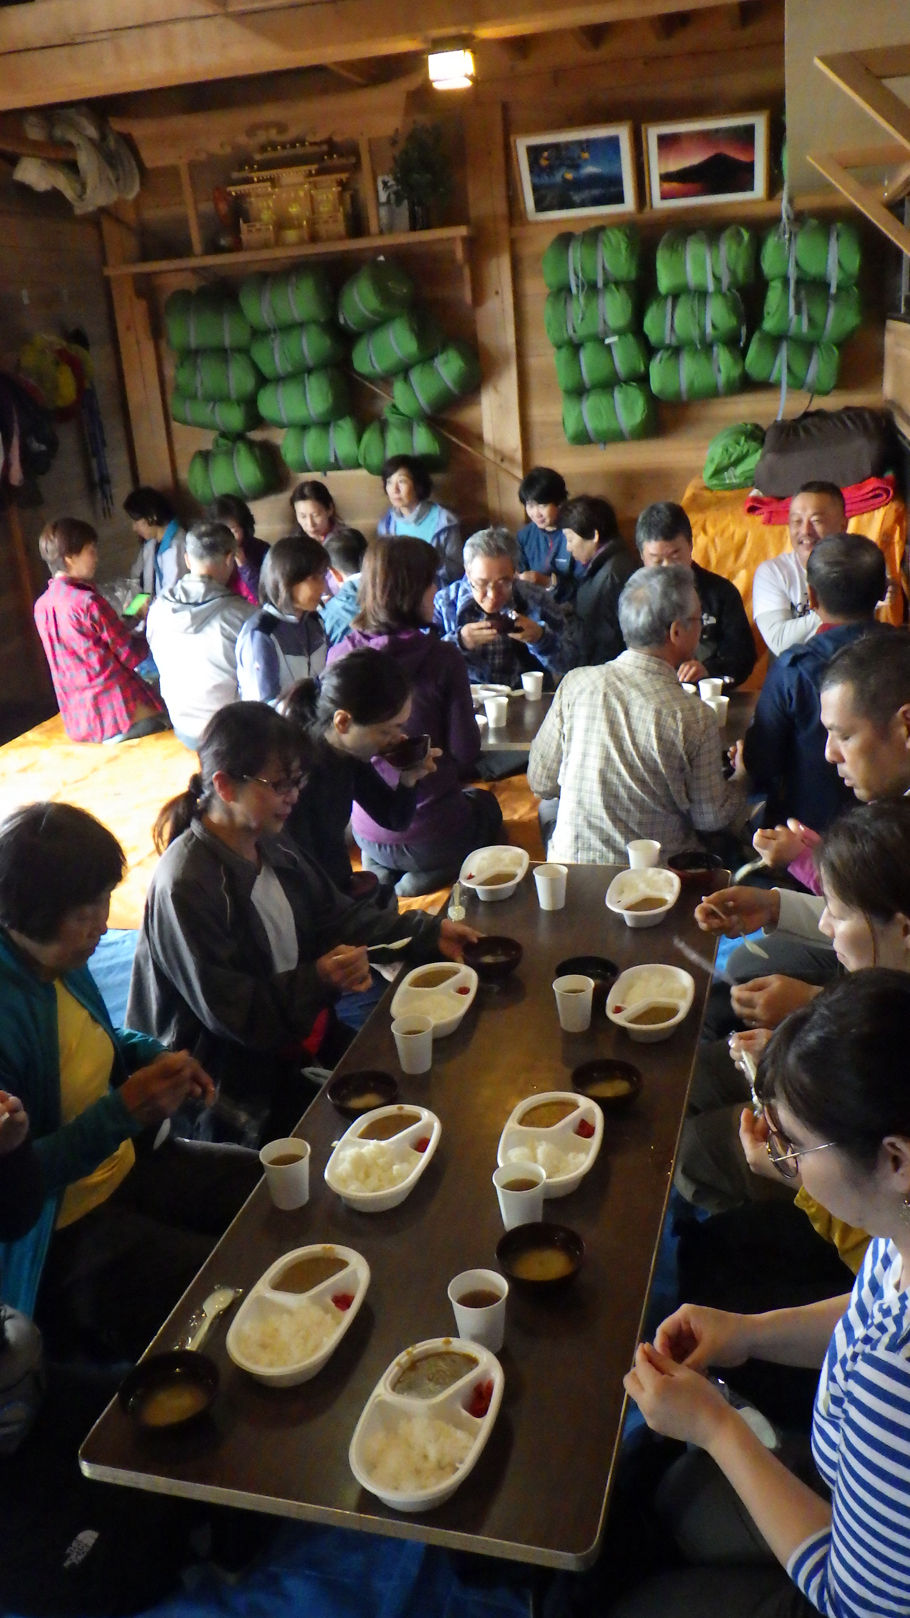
point(125, 785)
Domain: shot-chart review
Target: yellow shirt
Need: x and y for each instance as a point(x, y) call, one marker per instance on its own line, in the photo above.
point(850, 1241)
point(86, 1058)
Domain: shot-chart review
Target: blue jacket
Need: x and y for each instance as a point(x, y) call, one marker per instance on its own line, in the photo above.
point(339, 612)
point(784, 749)
point(30, 1068)
point(548, 653)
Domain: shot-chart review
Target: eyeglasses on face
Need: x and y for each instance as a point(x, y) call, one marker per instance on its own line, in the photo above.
point(492, 588)
point(283, 787)
point(783, 1154)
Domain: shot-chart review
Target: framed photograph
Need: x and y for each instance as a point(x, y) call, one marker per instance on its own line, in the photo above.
point(707, 160)
point(573, 173)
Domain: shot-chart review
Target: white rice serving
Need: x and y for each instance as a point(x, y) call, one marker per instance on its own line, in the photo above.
point(371, 1166)
point(419, 1454)
point(554, 1162)
point(274, 1336)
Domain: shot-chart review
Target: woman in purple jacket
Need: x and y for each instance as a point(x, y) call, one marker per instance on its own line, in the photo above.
point(397, 591)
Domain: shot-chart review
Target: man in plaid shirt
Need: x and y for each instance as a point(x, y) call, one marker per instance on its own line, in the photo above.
point(629, 752)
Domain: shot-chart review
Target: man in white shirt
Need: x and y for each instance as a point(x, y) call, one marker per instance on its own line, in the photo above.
point(780, 597)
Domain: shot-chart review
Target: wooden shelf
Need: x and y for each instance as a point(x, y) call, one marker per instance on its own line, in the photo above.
point(455, 236)
point(714, 213)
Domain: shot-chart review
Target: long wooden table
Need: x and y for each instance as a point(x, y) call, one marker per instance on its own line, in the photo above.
point(539, 1492)
point(524, 721)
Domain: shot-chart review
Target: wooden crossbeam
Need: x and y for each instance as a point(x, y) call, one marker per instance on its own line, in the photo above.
point(853, 75)
point(864, 199)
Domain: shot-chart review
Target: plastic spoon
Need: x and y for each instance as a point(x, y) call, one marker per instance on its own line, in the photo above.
point(199, 1323)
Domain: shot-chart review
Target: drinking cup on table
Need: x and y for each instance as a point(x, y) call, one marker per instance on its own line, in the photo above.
point(532, 686)
point(643, 852)
point(413, 1038)
point(719, 706)
point(478, 1299)
point(573, 1002)
point(689, 689)
point(710, 688)
point(497, 711)
point(287, 1171)
point(520, 1192)
point(551, 885)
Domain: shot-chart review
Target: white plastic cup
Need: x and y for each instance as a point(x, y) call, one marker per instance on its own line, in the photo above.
point(551, 885)
point(710, 688)
point(532, 686)
point(480, 1322)
point(689, 689)
point(573, 1002)
point(720, 706)
point(497, 711)
point(523, 1206)
point(287, 1171)
point(643, 853)
point(413, 1036)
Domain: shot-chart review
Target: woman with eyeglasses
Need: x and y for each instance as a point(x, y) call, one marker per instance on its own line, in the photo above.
point(833, 1086)
point(246, 943)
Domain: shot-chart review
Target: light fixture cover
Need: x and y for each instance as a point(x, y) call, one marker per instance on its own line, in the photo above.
point(451, 70)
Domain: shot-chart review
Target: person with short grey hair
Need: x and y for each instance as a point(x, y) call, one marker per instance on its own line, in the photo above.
point(192, 632)
point(503, 625)
point(628, 751)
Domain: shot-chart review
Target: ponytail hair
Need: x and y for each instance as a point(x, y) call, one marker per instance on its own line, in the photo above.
point(238, 741)
point(369, 685)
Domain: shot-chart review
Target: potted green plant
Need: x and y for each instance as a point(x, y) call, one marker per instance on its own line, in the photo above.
point(421, 173)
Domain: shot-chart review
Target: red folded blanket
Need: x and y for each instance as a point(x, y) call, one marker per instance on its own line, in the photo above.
point(858, 497)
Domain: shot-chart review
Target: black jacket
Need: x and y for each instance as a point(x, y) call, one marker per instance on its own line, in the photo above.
point(319, 818)
point(726, 646)
point(593, 634)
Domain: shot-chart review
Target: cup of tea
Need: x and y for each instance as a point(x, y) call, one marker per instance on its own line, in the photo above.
point(532, 686)
point(287, 1171)
point(720, 705)
point(710, 687)
point(413, 1036)
point(520, 1193)
point(643, 853)
point(551, 882)
point(497, 711)
point(478, 1299)
point(574, 995)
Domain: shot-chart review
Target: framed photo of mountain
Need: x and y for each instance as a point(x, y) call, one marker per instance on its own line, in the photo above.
point(704, 160)
point(571, 173)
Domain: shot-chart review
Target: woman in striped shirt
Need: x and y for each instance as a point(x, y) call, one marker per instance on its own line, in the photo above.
point(834, 1088)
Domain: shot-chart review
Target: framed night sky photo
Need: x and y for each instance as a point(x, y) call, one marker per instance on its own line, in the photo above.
point(572, 173)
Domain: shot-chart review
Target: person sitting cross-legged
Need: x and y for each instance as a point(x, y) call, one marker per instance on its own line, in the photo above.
point(503, 626)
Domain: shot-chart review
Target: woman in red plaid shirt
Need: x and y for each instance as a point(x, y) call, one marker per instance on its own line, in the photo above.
point(93, 658)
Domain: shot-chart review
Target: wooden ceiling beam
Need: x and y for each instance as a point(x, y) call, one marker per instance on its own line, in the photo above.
point(591, 39)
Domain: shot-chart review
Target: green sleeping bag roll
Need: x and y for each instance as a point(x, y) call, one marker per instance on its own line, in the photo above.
point(733, 454)
point(398, 344)
point(290, 349)
point(240, 466)
point(574, 262)
point(813, 366)
point(332, 447)
point(435, 384)
point(600, 312)
point(306, 399)
point(695, 320)
point(288, 298)
point(208, 318)
point(398, 435)
point(600, 365)
point(813, 252)
point(376, 293)
point(680, 374)
point(217, 373)
point(217, 415)
point(809, 311)
point(609, 416)
point(699, 261)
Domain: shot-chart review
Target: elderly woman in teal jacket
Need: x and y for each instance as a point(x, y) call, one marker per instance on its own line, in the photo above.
point(128, 1215)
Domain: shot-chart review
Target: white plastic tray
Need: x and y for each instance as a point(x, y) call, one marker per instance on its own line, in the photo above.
point(526, 1140)
point(266, 1299)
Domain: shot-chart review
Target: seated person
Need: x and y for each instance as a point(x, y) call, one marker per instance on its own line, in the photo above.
point(246, 943)
point(193, 629)
point(284, 640)
point(784, 747)
point(502, 626)
point(351, 717)
point(630, 754)
point(726, 649)
point(593, 634)
point(345, 549)
point(314, 510)
point(249, 552)
point(161, 560)
point(412, 512)
point(780, 599)
point(124, 1226)
point(543, 555)
point(398, 592)
point(93, 658)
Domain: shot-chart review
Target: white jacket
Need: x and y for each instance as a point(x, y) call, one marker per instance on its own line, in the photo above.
point(192, 631)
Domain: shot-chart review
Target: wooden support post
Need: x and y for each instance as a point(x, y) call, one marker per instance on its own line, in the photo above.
point(26, 589)
point(189, 202)
point(147, 416)
point(368, 177)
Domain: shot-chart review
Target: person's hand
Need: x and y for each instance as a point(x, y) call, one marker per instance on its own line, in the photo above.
point(13, 1122)
point(427, 766)
point(153, 1093)
point(453, 935)
point(697, 1337)
point(737, 758)
point(346, 969)
point(735, 911)
point(480, 633)
point(674, 1400)
point(526, 630)
point(753, 1138)
point(690, 672)
point(765, 1002)
point(750, 1040)
point(781, 845)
